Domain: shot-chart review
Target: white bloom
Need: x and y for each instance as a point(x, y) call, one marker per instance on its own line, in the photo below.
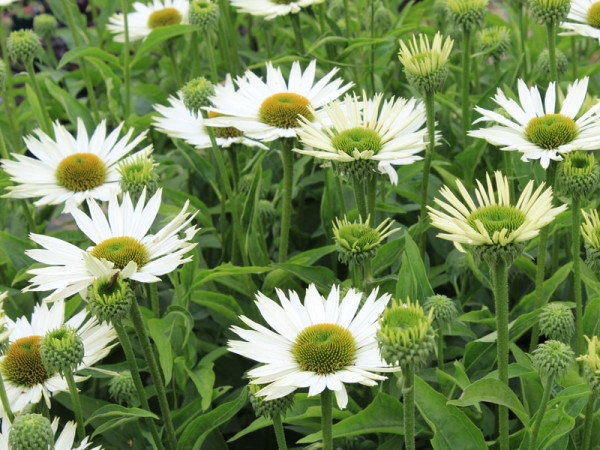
point(534, 128)
point(25, 377)
point(6, 2)
point(493, 220)
point(583, 19)
point(271, 110)
point(386, 132)
point(146, 18)
point(121, 243)
point(322, 344)
point(71, 169)
point(177, 121)
point(270, 9)
point(64, 441)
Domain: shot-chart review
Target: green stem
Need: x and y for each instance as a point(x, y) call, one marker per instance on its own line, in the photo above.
point(372, 48)
point(589, 421)
point(327, 419)
point(339, 194)
point(279, 433)
point(287, 157)
point(347, 20)
point(408, 391)
point(497, 70)
point(500, 272)
point(371, 199)
point(68, 374)
point(267, 40)
point(440, 347)
point(140, 329)
point(541, 412)
point(359, 195)
point(232, 47)
point(524, 28)
point(46, 124)
point(295, 18)
point(576, 238)
point(8, 95)
point(233, 157)
point(466, 75)
point(211, 57)
point(126, 104)
point(28, 217)
point(356, 274)
point(429, 151)
point(137, 381)
point(174, 65)
point(5, 402)
point(476, 80)
point(50, 52)
point(574, 56)
point(153, 288)
point(541, 262)
point(551, 31)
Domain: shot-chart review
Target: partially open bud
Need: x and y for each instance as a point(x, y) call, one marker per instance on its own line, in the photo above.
point(550, 12)
point(269, 408)
point(591, 364)
point(357, 242)
point(138, 173)
point(31, 431)
point(109, 299)
point(557, 322)
point(61, 350)
point(578, 174)
point(590, 230)
point(467, 14)
point(494, 41)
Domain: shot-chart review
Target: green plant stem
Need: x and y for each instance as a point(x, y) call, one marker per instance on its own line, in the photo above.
point(576, 239)
point(327, 419)
point(46, 123)
point(359, 195)
point(541, 412)
point(279, 433)
point(551, 31)
point(232, 45)
point(140, 329)
point(287, 158)
point(50, 52)
point(523, 32)
point(68, 374)
point(3, 150)
point(28, 217)
point(169, 45)
point(497, 70)
point(126, 81)
point(5, 402)
point(339, 194)
point(500, 273)
point(347, 20)
point(541, 262)
point(372, 48)
point(357, 275)
point(371, 199)
point(476, 77)
point(408, 392)
point(440, 347)
point(267, 41)
point(574, 56)
point(589, 421)
point(233, 151)
point(8, 94)
point(429, 151)
point(137, 381)
point(155, 305)
point(466, 75)
point(86, 75)
point(211, 57)
point(295, 18)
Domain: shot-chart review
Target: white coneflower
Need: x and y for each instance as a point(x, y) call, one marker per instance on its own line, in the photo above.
point(269, 9)
point(583, 19)
point(321, 344)
point(70, 169)
point(536, 130)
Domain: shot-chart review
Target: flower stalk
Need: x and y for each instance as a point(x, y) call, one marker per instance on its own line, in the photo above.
point(297, 27)
point(576, 240)
point(466, 72)
point(589, 420)
point(126, 68)
point(68, 374)
point(541, 411)
point(287, 158)
point(279, 433)
point(500, 276)
point(408, 392)
point(430, 110)
point(327, 419)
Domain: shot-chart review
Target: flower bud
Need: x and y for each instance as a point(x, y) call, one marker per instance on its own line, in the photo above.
point(122, 389)
point(357, 242)
point(109, 299)
point(590, 230)
point(197, 94)
point(578, 174)
point(138, 173)
point(444, 310)
point(31, 431)
point(204, 15)
point(467, 14)
point(61, 350)
point(45, 25)
point(266, 212)
point(542, 65)
point(553, 358)
point(24, 45)
point(549, 12)
point(494, 41)
point(557, 322)
point(269, 408)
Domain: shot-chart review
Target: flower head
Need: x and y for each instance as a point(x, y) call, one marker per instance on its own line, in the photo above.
point(583, 19)
point(357, 242)
point(578, 174)
point(493, 221)
point(24, 45)
point(590, 230)
point(557, 322)
point(467, 14)
point(204, 15)
point(269, 9)
point(539, 132)
point(444, 310)
point(366, 134)
point(45, 25)
point(549, 12)
point(323, 343)
point(553, 358)
point(494, 41)
point(70, 169)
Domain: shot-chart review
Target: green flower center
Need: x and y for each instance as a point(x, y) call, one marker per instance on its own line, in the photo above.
point(497, 218)
point(359, 237)
point(284, 110)
point(551, 131)
point(81, 172)
point(224, 132)
point(324, 348)
point(593, 15)
point(23, 364)
point(403, 319)
point(164, 18)
point(361, 139)
point(121, 251)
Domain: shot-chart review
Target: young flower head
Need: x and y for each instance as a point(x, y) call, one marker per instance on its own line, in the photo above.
point(426, 65)
point(578, 174)
point(405, 335)
point(467, 14)
point(357, 242)
point(122, 243)
point(70, 169)
point(147, 17)
point(196, 94)
point(494, 42)
point(539, 132)
point(182, 122)
point(26, 377)
point(549, 12)
point(204, 15)
point(110, 298)
point(321, 344)
point(583, 19)
point(444, 309)
point(493, 222)
point(45, 25)
point(269, 9)
point(542, 66)
point(273, 109)
point(366, 134)
point(24, 45)
point(590, 230)
point(557, 322)
point(122, 389)
point(269, 408)
point(591, 364)
point(553, 358)
point(62, 350)
point(138, 173)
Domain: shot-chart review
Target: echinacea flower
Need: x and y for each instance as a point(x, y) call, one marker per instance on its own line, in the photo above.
point(493, 220)
point(366, 133)
point(147, 17)
point(271, 109)
point(583, 19)
point(269, 9)
point(70, 169)
point(536, 130)
point(25, 377)
point(121, 243)
point(321, 344)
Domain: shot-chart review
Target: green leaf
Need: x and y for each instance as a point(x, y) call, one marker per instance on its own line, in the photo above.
point(15, 248)
point(117, 415)
point(72, 107)
point(82, 52)
point(197, 431)
point(203, 377)
point(550, 285)
point(492, 390)
point(157, 37)
point(412, 279)
point(451, 428)
point(322, 277)
point(222, 304)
